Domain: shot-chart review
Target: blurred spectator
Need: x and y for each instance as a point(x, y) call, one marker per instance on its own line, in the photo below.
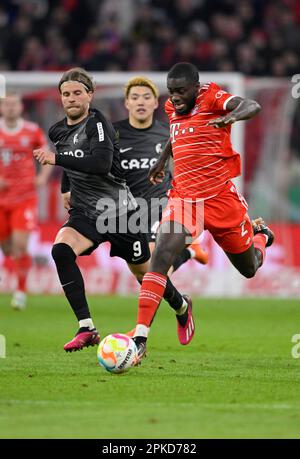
point(141, 57)
point(252, 36)
point(34, 55)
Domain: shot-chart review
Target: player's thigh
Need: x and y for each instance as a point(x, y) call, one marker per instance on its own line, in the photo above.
point(170, 241)
point(24, 217)
point(246, 262)
point(74, 239)
point(226, 218)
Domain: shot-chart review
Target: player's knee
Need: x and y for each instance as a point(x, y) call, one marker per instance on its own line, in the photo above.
point(249, 271)
point(19, 250)
point(139, 277)
point(62, 253)
point(161, 260)
point(139, 271)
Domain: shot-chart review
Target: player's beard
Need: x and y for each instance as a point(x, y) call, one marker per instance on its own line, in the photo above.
point(75, 114)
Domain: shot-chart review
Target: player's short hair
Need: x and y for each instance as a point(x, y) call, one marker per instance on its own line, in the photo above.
point(80, 75)
point(184, 70)
point(141, 81)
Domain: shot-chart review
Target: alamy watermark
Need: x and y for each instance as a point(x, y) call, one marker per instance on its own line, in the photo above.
point(296, 348)
point(2, 347)
point(138, 215)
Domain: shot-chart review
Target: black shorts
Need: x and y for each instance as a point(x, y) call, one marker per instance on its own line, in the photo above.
point(133, 248)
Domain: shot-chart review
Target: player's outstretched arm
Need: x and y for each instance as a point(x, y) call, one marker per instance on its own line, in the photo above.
point(157, 173)
point(240, 109)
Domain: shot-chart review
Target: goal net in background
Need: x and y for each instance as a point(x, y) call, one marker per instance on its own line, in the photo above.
point(270, 151)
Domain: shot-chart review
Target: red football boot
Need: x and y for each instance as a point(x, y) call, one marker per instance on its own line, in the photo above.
point(185, 333)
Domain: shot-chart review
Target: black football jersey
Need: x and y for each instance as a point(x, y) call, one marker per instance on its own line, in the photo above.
point(139, 151)
point(89, 153)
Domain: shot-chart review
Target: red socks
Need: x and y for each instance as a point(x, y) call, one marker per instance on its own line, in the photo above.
point(22, 266)
point(151, 294)
point(260, 241)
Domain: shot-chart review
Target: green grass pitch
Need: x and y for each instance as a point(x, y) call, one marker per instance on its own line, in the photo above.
point(237, 379)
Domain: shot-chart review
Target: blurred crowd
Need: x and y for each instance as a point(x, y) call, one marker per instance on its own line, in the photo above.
point(256, 37)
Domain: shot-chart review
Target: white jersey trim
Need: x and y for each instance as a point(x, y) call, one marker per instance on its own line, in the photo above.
point(12, 131)
point(226, 102)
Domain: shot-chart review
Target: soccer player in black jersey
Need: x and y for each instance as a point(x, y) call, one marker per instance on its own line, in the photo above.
point(97, 197)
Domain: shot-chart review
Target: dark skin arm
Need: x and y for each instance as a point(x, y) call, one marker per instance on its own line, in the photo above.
point(240, 109)
point(156, 173)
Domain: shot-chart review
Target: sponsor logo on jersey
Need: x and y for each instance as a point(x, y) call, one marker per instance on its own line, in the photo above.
point(122, 150)
point(77, 153)
point(24, 141)
point(100, 131)
point(195, 110)
point(219, 94)
point(158, 148)
point(142, 163)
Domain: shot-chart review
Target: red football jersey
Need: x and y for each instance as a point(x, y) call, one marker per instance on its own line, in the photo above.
point(17, 165)
point(203, 156)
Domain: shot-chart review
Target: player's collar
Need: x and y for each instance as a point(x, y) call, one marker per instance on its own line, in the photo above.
point(12, 131)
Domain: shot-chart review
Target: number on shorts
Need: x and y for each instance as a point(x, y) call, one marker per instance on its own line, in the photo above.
point(137, 248)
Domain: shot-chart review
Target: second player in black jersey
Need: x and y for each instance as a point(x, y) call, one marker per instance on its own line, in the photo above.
point(139, 149)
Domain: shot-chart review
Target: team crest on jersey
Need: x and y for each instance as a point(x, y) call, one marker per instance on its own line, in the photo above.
point(195, 109)
point(24, 141)
point(219, 94)
point(158, 148)
point(75, 139)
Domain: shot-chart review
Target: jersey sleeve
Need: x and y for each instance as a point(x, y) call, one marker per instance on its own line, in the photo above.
point(101, 136)
point(65, 183)
point(52, 133)
point(101, 149)
point(217, 98)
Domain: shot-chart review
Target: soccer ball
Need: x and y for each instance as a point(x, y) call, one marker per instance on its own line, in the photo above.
point(117, 353)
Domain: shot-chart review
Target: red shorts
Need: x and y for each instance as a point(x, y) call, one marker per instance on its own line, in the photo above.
point(20, 217)
point(224, 216)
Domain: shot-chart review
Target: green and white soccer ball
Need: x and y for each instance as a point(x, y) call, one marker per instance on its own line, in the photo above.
point(117, 353)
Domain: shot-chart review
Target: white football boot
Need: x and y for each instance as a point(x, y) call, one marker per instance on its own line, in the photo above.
point(18, 301)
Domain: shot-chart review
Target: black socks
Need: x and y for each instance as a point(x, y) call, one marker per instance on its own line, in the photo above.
point(71, 279)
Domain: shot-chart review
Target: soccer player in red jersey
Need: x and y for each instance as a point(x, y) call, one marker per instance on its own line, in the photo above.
point(18, 182)
point(203, 195)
